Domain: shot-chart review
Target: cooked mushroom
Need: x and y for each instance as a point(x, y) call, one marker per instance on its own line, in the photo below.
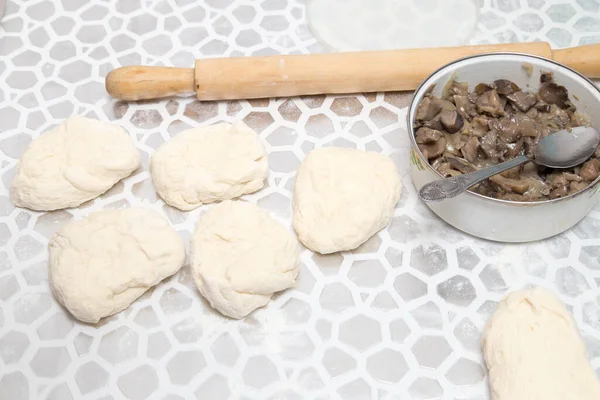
point(453, 88)
point(590, 170)
point(451, 121)
point(432, 150)
point(513, 173)
point(448, 106)
point(428, 108)
point(481, 88)
point(446, 170)
point(488, 145)
point(454, 143)
point(523, 101)
point(465, 107)
point(505, 87)
point(527, 127)
point(461, 165)
point(427, 135)
point(433, 123)
point(508, 130)
point(542, 106)
point(571, 177)
point(529, 146)
point(489, 102)
point(480, 124)
point(552, 93)
point(546, 77)
point(469, 150)
point(560, 191)
point(575, 187)
point(511, 185)
point(516, 149)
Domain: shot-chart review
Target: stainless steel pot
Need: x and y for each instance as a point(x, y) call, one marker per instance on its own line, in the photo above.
point(501, 220)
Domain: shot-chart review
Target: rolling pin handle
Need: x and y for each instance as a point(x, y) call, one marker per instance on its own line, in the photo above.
point(143, 83)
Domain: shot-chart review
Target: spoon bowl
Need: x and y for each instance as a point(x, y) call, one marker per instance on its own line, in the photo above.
point(567, 148)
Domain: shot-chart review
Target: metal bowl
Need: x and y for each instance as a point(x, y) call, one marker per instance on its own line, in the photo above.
point(502, 220)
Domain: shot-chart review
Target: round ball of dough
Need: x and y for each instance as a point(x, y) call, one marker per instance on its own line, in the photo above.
point(342, 197)
point(208, 164)
point(240, 256)
point(75, 162)
point(99, 265)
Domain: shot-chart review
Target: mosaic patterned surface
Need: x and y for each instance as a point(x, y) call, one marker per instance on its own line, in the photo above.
point(398, 318)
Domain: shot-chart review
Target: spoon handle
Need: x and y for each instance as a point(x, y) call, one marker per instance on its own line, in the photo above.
point(443, 189)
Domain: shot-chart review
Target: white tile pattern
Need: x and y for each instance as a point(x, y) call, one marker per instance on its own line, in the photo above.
point(398, 318)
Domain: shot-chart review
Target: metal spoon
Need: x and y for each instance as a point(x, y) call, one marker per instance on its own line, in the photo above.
point(562, 149)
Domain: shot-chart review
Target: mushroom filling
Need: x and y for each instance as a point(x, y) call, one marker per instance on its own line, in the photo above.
point(464, 131)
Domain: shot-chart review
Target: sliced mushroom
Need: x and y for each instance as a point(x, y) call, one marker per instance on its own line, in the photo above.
point(488, 145)
point(505, 87)
point(481, 124)
point(507, 129)
point(446, 170)
point(575, 187)
point(432, 123)
point(529, 146)
point(527, 126)
point(454, 143)
point(552, 93)
point(542, 106)
point(516, 149)
point(428, 108)
point(490, 102)
point(481, 88)
point(511, 185)
point(448, 106)
point(427, 135)
point(438, 162)
point(469, 150)
point(590, 170)
point(451, 121)
point(453, 88)
point(465, 107)
point(537, 188)
point(546, 77)
point(557, 118)
point(461, 165)
point(513, 173)
point(560, 191)
point(523, 101)
point(572, 177)
point(557, 180)
point(432, 150)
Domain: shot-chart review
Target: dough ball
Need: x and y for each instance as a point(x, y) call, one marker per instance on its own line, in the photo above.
point(75, 162)
point(208, 164)
point(534, 351)
point(99, 265)
point(240, 256)
point(342, 197)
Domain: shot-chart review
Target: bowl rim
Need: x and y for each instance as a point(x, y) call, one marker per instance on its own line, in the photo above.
point(426, 83)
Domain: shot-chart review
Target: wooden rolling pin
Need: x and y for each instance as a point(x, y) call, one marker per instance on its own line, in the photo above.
point(292, 75)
